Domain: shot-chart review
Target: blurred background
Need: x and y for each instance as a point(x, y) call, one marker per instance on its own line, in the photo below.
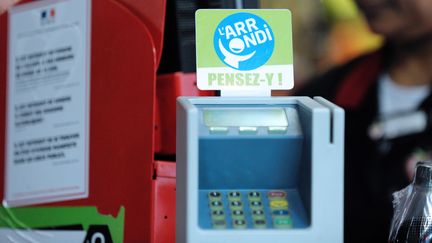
point(326, 33)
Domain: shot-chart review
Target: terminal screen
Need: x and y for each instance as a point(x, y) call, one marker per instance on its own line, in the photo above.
point(224, 117)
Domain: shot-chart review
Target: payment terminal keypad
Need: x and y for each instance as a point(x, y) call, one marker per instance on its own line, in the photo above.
point(249, 209)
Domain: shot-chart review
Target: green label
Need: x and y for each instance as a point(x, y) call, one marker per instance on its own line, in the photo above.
point(244, 49)
point(86, 219)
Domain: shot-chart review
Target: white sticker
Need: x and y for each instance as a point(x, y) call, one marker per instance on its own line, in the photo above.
point(48, 102)
point(244, 52)
point(45, 236)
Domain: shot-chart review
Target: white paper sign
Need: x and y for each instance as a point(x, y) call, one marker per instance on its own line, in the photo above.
point(48, 102)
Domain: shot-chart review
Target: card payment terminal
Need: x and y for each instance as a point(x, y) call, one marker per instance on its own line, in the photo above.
point(259, 170)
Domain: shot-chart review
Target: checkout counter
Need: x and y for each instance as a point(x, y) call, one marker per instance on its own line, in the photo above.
point(259, 170)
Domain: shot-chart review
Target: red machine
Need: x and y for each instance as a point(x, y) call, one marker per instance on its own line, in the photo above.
point(132, 119)
point(123, 172)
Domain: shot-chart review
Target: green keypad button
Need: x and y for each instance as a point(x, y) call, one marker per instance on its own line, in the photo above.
point(236, 205)
point(237, 214)
point(218, 215)
point(282, 222)
point(256, 205)
point(215, 196)
point(260, 207)
point(219, 224)
point(254, 196)
point(239, 224)
point(234, 196)
point(258, 214)
point(216, 205)
point(259, 223)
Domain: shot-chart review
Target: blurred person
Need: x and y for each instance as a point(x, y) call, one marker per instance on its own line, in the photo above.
point(388, 104)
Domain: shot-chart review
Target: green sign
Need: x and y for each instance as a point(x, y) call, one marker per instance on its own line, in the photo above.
point(49, 224)
point(244, 49)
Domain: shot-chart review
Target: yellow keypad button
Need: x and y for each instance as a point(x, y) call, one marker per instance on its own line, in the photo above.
point(278, 204)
